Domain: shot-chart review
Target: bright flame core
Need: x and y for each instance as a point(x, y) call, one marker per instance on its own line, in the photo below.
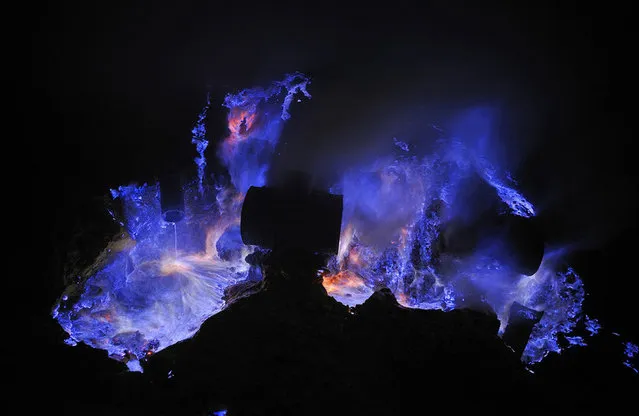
point(348, 287)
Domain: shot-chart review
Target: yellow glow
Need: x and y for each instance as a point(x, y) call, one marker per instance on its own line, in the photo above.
point(172, 266)
point(341, 282)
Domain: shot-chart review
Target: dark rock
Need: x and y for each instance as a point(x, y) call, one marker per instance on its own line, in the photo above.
point(520, 325)
point(291, 349)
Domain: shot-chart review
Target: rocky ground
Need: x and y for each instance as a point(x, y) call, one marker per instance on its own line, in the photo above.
point(290, 349)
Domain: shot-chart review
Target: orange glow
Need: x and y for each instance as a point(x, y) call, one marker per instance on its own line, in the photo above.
point(213, 234)
point(402, 239)
point(107, 316)
point(240, 123)
point(341, 282)
point(236, 202)
point(402, 299)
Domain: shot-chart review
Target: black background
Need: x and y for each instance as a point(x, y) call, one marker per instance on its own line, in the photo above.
point(116, 89)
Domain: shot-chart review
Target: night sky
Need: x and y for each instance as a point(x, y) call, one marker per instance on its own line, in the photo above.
point(116, 90)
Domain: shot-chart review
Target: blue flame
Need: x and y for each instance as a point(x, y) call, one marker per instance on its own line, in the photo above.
point(592, 325)
point(394, 210)
point(630, 351)
point(200, 142)
point(141, 205)
point(518, 204)
point(255, 125)
point(142, 295)
point(156, 283)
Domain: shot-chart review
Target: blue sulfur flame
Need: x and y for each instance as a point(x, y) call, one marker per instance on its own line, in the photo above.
point(592, 325)
point(200, 142)
point(393, 210)
point(631, 351)
point(255, 122)
point(156, 283)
